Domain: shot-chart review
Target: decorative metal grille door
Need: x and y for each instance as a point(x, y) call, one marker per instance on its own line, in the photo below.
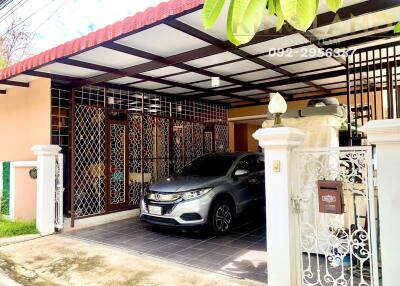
point(337, 249)
point(221, 138)
point(117, 165)
point(148, 152)
point(89, 160)
point(208, 142)
point(187, 143)
point(135, 158)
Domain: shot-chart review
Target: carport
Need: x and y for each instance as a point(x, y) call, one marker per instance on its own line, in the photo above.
point(147, 79)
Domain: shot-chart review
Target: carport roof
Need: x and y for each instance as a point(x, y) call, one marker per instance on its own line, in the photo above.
point(165, 50)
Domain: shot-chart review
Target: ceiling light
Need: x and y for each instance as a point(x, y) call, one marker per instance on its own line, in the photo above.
point(215, 82)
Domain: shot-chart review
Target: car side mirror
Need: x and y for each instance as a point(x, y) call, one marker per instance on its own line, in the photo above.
point(241, 173)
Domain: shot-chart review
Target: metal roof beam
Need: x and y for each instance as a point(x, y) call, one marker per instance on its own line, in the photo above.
point(180, 26)
point(135, 71)
point(14, 83)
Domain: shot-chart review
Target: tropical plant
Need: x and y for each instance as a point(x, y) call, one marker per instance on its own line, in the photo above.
point(246, 16)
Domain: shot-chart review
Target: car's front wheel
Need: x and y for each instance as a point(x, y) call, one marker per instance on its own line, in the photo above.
point(221, 217)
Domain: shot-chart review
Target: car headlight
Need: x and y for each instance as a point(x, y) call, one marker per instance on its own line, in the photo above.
point(192, 194)
point(146, 191)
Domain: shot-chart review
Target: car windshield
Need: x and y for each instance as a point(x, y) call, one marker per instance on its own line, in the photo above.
point(209, 166)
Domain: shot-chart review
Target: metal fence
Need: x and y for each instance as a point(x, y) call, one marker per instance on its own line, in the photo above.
point(373, 90)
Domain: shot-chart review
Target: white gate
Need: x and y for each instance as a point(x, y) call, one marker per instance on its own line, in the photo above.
point(59, 182)
point(337, 249)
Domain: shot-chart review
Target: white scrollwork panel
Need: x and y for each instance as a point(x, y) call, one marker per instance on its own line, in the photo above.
point(338, 249)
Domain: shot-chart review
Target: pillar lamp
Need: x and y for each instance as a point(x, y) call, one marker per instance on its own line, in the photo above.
point(277, 106)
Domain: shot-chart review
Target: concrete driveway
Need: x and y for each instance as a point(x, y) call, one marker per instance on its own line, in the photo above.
point(61, 260)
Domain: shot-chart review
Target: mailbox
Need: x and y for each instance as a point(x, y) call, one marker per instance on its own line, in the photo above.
point(330, 197)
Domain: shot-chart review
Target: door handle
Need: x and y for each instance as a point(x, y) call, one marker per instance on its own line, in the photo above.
point(253, 181)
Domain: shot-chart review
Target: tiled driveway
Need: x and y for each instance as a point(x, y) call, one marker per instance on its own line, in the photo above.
point(242, 253)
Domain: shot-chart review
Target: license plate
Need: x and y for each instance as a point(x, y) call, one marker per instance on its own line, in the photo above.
point(156, 210)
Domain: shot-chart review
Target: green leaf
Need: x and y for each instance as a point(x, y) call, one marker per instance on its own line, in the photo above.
point(281, 18)
point(229, 29)
point(211, 11)
point(334, 5)
point(397, 28)
point(246, 18)
point(299, 13)
point(271, 7)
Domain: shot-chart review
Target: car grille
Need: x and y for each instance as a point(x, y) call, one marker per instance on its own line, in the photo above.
point(163, 197)
point(166, 208)
point(166, 221)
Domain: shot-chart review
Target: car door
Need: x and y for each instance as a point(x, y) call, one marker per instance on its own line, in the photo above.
point(248, 189)
point(258, 181)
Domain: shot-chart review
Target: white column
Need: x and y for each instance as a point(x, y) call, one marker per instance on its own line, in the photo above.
point(284, 263)
point(45, 195)
point(385, 134)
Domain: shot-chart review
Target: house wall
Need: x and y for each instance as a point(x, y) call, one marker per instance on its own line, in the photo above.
point(240, 137)
point(252, 144)
point(24, 120)
point(261, 110)
point(243, 139)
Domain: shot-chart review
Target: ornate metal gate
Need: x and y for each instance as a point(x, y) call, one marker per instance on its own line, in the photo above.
point(121, 141)
point(148, 152)
point(187, 143)
point(117, 165)
point(89, 158)
point(337, 249)
point(59, 182)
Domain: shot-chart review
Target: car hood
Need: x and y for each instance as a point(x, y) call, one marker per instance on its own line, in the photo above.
point(184, 183)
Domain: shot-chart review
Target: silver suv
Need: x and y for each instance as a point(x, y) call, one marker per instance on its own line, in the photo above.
point(211, 191)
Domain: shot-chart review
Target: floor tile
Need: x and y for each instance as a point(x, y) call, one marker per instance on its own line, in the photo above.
point(227, 250)
point(203, 250)
point(171, 248)
point(178, 258)
point(191, 252)
point(213, 258)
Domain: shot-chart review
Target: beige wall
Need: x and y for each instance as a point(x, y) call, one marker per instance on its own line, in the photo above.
point(262, 109)
point(251, 145)
point(231, 137)
point(24, 120)
point(247, 111)
point(25, 195)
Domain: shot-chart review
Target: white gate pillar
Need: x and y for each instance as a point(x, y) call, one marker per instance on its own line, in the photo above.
point(385, 134)
point(282, 234)
point(45, 194)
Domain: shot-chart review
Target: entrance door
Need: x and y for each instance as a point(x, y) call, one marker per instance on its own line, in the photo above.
point(117, 165)
point(337, 226)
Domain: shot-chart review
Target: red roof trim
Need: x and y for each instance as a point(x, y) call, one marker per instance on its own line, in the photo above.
point(128, 25)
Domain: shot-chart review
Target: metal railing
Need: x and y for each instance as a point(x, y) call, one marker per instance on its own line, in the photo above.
point(373, 90)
